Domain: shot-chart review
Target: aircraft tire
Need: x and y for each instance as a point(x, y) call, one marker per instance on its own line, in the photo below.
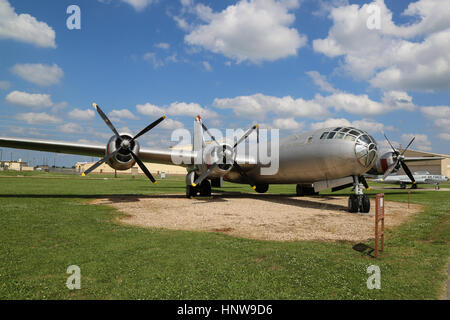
point(262, 188)
point(205, 188)
point(353, 204)
point(365, 204)
point(299, 190)
point(191, 191)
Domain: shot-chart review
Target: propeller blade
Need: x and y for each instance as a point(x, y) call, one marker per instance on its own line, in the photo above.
point(99, 162)
point(107, 121)
point(209, 133)
point(408, 172)
point(244, 174)
point(249, 131)
point(143, 167)
point(364, 182)
point(148, 128)
point(404, 150)
point(389, 170)
point(204, 175)
point(389, 142)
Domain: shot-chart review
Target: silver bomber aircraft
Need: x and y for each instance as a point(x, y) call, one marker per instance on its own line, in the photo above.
point(419, 177)
point(335, 158)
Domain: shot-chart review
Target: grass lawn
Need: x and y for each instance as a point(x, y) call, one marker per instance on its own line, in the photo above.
point(47, 225)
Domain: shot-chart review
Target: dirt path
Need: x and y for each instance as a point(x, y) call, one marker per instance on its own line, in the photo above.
point(255, 216)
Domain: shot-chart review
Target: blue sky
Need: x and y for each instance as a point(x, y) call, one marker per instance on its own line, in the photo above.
point(294, 65)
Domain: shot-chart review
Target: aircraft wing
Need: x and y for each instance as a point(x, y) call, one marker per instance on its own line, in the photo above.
point(412, 159)
point(149, 155)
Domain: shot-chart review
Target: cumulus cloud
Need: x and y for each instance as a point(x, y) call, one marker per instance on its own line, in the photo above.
point(171, 124)
point(70, 128)
point(321, 81)
point(253, 30)
point(162, 45)
point(37, 118)
point(33, 100)
point(287, 124)
point(24, 27)
point(40, 74)
point(119, 115)
point(139, 5)
point(79, 114)
point(176, 109)
point(444, 136)
point(421, 142)
point(414, 56)
point(364, 124)
point(258, 105)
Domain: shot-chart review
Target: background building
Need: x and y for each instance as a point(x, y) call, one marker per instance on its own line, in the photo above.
point(432, 166)
point(18, 165)
point(154, 168)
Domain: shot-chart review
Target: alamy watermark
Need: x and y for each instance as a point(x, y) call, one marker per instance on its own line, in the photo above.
point(73, 22)
point(74, 280)
point(374, 280)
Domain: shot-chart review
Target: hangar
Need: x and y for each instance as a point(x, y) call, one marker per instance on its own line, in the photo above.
point(153, 167)
point(432, 166)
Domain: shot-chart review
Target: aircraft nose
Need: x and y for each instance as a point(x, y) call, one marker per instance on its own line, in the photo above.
point(366, 151)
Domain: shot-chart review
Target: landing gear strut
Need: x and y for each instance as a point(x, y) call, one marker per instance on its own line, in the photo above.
point(358, 201)
point(203, 189)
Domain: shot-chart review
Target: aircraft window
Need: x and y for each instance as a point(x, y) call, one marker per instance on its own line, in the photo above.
point(309, 140)
point(366, 139)
point(331, 135)
point(337, 129)
point(354, 132)
point(340, 135)
point(345, 130)
point(350, 137)
point(323, 136)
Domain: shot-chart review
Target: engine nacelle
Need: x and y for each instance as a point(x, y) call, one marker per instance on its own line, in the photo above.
point(383, 163)
point(123, 159)
point(223, 154)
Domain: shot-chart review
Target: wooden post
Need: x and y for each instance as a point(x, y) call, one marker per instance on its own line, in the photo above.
point(379, 216)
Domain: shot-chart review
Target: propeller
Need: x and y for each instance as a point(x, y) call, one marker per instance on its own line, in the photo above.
point(125, 144)
point(211, 168)
point(399, 161)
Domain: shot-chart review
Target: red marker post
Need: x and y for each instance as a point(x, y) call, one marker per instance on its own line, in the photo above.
point(379, 216)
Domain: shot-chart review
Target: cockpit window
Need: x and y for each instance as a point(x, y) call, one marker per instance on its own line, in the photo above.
point(345, 130)
point(331, 135)
point(337, 129)
point(354, 132)
point(366, 139)
point(350, 137)
point(323, 136)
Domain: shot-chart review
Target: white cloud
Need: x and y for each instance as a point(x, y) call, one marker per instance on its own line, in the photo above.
point(436, 112)
point(254, 30)
point(150, 110)
point(287, 124)
point(176, 109)
point(414, 56)
point(364, 124)
point(79, 114)
point(40, 74)
point(444, 136)
point(5, 85)
point(207, 66)
point(33, 100)
point(170, 124)
point(258, 105)
point(139, 5)
point(71, 128)
point(24, 27)
point(119, 115)
point(37, 118)
point(162, 45)
point(420, 143)
point(321, 81)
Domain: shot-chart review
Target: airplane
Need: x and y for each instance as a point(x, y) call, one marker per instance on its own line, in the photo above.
point(335, 158)
point(422, 177)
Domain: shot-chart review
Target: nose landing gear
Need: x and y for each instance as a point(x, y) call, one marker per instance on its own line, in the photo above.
point(358, 201)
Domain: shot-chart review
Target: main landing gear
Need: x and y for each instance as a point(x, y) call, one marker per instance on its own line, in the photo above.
point(203, 190)
point(358, 201)
point(305, 190)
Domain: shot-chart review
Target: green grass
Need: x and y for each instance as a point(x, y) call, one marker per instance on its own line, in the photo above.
point(47, 225)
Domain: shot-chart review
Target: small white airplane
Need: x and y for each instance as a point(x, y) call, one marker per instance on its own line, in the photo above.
point(422, 177)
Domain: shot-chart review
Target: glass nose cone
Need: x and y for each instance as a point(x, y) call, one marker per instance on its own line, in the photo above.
point(366, 151)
